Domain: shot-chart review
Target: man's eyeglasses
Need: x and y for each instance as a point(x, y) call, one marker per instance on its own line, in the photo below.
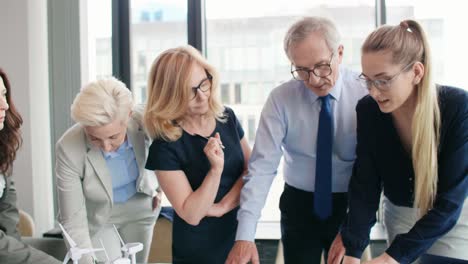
point(320, 70)
point(204, 86)
point(382, 84)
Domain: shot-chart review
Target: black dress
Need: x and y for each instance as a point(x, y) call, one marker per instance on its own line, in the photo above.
point(213, 238)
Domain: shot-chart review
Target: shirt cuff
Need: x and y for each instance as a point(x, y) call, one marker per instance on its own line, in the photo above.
point(397, 253)
point(246, 229)
point(353, 252)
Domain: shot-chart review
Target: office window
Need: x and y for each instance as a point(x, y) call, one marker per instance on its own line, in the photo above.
point(98, 47)
point(225, 95)
point(234, 58)
point(252, 54)
point(252, 128)
point(250, 42)
point(142, 93)
point(145, 16)
point(251, 94)
point(241, 122)
point(156, 25)
point(237, 93)
point(142, 61)
point(443, 25)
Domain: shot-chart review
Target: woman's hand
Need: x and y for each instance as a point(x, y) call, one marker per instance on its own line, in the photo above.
point(351, 260)
point(337, 251)
point(157, 200)
point(214, 152)
point(216, 210)
point(382, 259)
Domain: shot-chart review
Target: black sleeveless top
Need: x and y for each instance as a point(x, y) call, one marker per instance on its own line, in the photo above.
point(213, 238)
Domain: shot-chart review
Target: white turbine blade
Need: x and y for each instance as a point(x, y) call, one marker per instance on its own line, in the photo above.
point(89, 250)
point(134, 248)
point(121, 240)
point(121, 261)
point(66, 259)
point(68, 237)
point(105, 251)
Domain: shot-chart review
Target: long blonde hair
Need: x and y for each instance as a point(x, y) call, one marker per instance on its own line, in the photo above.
point(169, 93)
point(408, 44)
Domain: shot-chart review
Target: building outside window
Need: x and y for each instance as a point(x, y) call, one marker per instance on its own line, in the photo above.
point(237, 93)
point(225, 95)
point(156, 25)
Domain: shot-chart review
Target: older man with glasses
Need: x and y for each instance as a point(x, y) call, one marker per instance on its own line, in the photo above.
point(311, 121)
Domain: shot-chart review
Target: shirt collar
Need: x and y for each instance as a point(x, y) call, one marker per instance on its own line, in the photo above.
point(126, 145)
point(335, 92)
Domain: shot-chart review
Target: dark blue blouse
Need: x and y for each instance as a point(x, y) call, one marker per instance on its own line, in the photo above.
point(212, 239)
point(383, 164)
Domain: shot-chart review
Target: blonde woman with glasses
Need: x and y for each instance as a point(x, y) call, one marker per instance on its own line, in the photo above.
point(199, 154)
point(413, 146)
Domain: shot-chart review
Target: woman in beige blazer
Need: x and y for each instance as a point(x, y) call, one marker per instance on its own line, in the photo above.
point(100, 175)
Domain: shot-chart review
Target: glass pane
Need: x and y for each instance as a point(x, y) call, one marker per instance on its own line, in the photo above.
point(246, 45)
point(444, 25)
point(156, 25)
point(99, 39)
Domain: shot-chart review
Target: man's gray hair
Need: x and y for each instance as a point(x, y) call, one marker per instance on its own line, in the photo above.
point(308, 25)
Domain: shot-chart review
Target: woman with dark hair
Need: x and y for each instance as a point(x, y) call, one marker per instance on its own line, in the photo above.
point(12, 249)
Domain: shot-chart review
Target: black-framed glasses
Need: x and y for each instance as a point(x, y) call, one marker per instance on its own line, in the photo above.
point(204, 86)
point(320, 70)
point(382, 84)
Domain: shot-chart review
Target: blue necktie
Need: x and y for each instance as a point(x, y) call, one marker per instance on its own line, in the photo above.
point(323, 167)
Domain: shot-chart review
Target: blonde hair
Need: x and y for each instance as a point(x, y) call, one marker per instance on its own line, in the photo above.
point(101, 102)
point(302, 29)
point(169, 93)
point(408, 44)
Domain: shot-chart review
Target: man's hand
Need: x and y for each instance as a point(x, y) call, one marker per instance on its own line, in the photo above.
point(157, 200)
point(337, 251)
point(242, 252)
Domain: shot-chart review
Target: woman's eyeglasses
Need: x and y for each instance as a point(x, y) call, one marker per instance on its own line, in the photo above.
point(204, 86)
point(381, 84)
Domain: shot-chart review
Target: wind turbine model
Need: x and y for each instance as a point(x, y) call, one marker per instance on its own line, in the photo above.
point(115, 261)
point(129, 249)
point(75, 253)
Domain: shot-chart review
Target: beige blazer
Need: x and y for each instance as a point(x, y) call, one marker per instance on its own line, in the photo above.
point(84, 184)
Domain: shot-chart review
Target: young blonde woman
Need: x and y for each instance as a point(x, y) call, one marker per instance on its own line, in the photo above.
point(199, 154)
point(413, 146)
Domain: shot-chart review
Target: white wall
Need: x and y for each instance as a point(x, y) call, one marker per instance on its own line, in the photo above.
point(24, 56)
